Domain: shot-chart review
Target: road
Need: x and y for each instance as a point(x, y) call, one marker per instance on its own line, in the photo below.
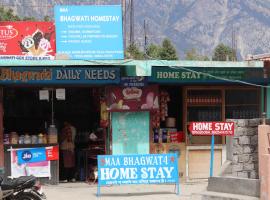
point(84, 191)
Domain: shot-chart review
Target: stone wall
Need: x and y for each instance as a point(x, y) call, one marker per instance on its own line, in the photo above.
point(245, 148)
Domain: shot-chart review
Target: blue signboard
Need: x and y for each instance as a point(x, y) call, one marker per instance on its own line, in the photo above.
point(89, 32)
point(138, 169)
point(31, 155)
point(58, 75)
point(228, 75)
point(134, 81)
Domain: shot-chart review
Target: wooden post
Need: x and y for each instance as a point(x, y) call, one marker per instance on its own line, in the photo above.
point(1, 130)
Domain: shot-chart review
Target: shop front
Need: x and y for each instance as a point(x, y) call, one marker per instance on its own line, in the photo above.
point(38, 103)
point(118, 110)
point(201, 94)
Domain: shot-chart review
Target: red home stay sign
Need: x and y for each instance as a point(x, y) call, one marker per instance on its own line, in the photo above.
point(209, 128)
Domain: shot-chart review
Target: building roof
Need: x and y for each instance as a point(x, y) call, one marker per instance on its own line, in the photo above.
point(132, 67)
point(260, 57)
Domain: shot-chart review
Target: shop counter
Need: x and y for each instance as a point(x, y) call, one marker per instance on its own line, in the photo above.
point(54, 165)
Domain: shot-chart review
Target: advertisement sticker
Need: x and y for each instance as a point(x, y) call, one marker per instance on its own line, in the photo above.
point(26, 40)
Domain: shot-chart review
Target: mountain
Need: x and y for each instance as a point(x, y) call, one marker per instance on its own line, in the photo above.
point(200, 24)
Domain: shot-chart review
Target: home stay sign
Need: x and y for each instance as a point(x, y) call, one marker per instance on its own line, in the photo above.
point(137, 169)
point(212, 128)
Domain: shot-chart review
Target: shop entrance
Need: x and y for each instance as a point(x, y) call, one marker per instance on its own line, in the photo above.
point(130, 132)
point(26, 117)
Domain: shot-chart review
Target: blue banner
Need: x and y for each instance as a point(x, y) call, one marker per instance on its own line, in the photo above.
point(31, 155)
point(89, 32)
point(59, 75)
point(134, 81)
point(138, 169)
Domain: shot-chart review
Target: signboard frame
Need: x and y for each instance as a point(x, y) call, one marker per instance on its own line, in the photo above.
point(118, 169)
point(59, 75)
point(190, 75)
point(92, 32)
point(212, 132)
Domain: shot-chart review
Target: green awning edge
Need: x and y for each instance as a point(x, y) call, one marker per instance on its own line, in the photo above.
point(132, 67)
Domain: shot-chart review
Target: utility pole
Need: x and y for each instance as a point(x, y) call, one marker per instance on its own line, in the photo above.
point(234, 44)
point(145, 36)
point(124, 23)
point(131, 39)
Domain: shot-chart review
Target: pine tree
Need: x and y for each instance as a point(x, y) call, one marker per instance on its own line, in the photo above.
point(168, 52)
point(153, 51)
point(7, 15)
point(193, 55)
point(133, 52)
point(224, 53)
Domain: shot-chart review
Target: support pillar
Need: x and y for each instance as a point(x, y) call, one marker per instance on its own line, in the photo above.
point(263, 143)
point(264, 160)
point(1, 131)
point(265, 177)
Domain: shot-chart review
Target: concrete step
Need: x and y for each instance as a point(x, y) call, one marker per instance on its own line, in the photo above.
point(207, 195)
point(234, 185)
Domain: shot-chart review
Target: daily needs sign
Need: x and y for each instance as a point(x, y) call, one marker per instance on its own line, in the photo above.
point(89, 32)
point(138, 169)
point(212, 128)
point(59, 75)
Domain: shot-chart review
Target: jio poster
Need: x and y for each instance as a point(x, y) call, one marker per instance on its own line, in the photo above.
point(31, 155)
point(26, 40)
point(40, 154)
point(38, 169)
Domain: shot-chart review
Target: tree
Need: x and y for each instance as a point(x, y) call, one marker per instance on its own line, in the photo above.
point(193, 55)
point(7, 15)
point(224, 53)
point(168, 52)
point(29, 19)
point(165, 52)
point(133, 52)
point(153, 51)
point(47, 18)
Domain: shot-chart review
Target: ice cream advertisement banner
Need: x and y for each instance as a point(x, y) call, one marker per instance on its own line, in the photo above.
point(38, 169)
point(138, 169)
point(133, 98)
point(25, 40)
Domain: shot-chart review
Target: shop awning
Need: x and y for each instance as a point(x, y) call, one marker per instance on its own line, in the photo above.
point(131, 67)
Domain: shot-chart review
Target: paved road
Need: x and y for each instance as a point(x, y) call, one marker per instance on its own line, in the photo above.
point(83, 191)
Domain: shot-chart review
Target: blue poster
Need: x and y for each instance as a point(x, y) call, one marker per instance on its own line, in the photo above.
point(130, 132)
point(138, 169)
point(89, 32)
point(134, 81)
point(31, 155)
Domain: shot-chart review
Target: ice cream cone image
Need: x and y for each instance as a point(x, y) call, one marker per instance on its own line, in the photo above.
point(28, 44)
point(43, 47)
point(40, 52)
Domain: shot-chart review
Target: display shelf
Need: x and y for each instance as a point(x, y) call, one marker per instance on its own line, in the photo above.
point(236, 105)
point(242, 104)
point(29, 145)
point(203, 105)
point(95, 148)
